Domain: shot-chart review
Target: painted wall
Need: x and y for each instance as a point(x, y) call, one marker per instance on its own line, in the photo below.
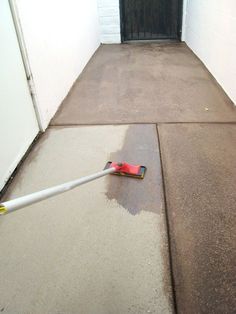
point(109, 17)
point(60, 37)
point(210, 31)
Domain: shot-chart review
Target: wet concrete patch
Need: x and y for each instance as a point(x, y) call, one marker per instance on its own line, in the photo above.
point(140, 146)
point(80, 252)
point(200, 178)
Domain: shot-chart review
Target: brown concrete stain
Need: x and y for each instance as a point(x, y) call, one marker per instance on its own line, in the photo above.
point(140, 147)
point(200, 177)
point(145, 83)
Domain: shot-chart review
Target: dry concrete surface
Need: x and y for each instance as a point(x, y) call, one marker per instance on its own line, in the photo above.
point(101, 248)
point(200, 180)
point(145, 83)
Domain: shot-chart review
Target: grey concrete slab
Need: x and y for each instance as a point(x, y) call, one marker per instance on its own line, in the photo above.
point(101, 248)
point(200, 179)
point(145, 83)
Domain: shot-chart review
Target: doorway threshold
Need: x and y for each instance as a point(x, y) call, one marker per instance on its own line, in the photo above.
point(151, 41)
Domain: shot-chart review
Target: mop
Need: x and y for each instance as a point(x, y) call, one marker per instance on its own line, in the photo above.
point(121, 169)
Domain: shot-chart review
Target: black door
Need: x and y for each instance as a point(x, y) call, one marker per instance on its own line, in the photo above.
point(150, 19)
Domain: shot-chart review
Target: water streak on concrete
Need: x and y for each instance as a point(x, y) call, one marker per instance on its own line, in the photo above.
point(140, 147)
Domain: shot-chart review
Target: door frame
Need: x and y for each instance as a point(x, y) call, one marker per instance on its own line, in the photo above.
point(26, 63)
point(179, 21)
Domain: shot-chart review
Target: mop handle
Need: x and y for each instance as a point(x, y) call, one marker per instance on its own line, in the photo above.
point(27, 200)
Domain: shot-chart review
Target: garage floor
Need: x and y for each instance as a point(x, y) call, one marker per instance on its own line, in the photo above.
point(163, 245)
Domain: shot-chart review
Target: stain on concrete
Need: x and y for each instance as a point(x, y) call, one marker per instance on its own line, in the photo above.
point(140, 146)
point(200, 177)
point(145, 83)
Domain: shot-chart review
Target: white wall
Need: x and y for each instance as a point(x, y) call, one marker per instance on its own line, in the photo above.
point(109, 16)
point(210, 31)
point(60, 37)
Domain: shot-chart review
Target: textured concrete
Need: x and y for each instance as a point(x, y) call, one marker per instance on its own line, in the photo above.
point(97, 249)
point(200, 178)
point(145, 83)
point(103, 247)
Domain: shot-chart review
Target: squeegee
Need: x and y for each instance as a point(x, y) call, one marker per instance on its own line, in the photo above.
point(121, 169)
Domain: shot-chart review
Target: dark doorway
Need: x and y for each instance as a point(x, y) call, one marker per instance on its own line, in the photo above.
point(150, 19)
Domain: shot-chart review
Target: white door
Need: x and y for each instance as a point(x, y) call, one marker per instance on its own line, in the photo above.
point(18, 123)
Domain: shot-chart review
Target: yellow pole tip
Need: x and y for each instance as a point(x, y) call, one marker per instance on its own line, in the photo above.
point(3, 210)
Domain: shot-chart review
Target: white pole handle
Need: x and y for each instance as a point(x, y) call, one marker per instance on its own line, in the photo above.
point(27, 200)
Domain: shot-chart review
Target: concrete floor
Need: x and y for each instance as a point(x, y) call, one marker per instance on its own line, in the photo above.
point(103, 248)
point(97, 249)
point(200, 179)
point(145, 83)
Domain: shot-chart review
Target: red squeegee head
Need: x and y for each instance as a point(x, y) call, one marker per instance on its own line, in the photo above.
point(125, 169)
